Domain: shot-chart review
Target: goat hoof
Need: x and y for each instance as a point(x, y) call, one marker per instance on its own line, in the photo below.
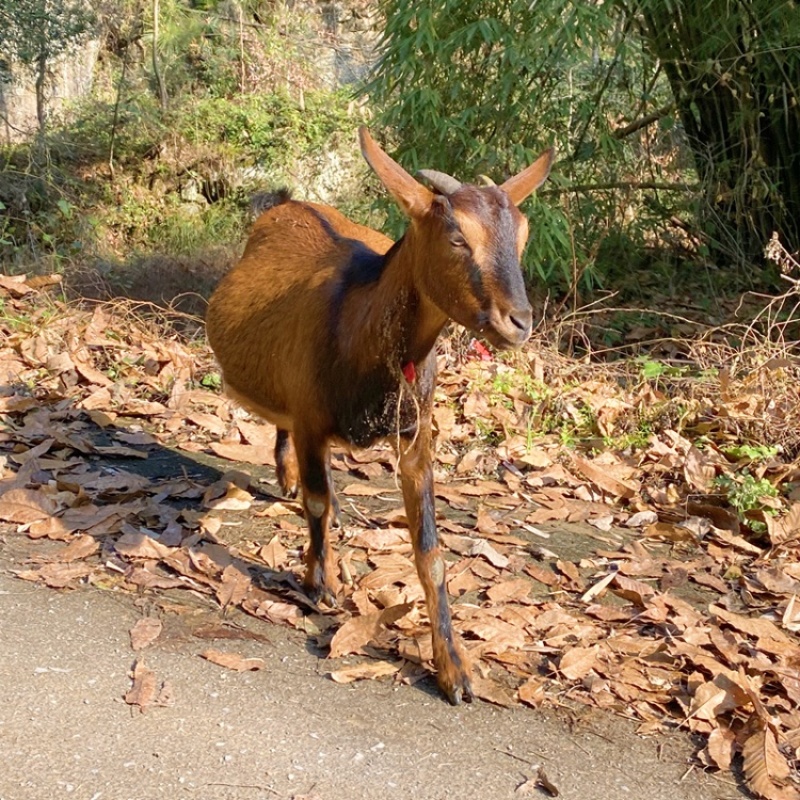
point(460, 689)
point(288, 480)
point(459, 693)
point(290, 491)
point(325, 596)
point(320, 595)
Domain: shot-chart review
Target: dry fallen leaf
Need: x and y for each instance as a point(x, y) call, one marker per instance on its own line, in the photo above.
point(510, 589)
point(720, 746)
point(145, 632)
point(529, 786)
point(363, 490)
point(280, 509)
point(578, 662)
point(669, 532)
point(234, 586)
point(631, 589)
point(138, 544)
point(765, 767)
point(369, 670)
point(235, 499)
point(546, 783)
point(26, 505)
point(716, 697)
point(491, 691)
point(80, 547)
point(480, 547)
point(273, 553)
point(57, 575)
point(360, 631)
point(143, 691)
point(699, 470)
point(532, 692)
point(244, 453)
point(233, 661)
point(602, 478)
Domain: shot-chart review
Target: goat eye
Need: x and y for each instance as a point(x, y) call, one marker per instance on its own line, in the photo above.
point(457, 240)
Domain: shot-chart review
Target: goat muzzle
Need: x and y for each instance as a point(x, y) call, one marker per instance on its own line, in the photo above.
point(510, 329)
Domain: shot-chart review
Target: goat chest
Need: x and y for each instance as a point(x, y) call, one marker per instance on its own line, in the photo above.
point(380, 403)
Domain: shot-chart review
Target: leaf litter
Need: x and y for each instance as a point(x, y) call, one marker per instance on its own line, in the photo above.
point(682, 611)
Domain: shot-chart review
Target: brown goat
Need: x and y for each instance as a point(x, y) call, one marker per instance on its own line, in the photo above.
point(327, 329)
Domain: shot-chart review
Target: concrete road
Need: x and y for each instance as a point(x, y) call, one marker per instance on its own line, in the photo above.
point(286, 731)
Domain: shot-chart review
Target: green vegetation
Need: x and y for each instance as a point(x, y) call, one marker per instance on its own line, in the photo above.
point(751, 452)
point(34, 33)
point(746, 493)
point(211, 380)
point(674, 123)
point(144, 188)
point(199, 103)
point(193, 112)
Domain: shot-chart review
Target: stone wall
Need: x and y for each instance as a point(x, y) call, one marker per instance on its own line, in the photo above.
point(342, 47)
point(353, 32)
point(71, 77)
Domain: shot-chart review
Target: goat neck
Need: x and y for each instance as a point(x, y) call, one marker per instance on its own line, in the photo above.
point(392, 318)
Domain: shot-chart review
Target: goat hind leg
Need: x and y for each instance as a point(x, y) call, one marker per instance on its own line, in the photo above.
point(286, 463)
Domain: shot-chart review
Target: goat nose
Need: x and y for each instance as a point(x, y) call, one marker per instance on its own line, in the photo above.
point(522, 318)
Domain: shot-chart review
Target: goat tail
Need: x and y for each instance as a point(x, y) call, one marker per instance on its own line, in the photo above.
point(263, 201)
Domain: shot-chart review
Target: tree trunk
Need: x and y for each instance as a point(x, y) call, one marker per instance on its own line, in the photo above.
point(735, 74)
point(41, 100)
point(162, 89)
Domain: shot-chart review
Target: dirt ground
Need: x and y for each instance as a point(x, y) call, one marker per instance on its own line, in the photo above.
point(286, 731)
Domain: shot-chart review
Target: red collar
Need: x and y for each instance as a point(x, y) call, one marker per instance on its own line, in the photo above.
point(410, 372)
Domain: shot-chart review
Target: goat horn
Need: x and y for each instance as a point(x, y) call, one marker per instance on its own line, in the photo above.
point(485, 180)
point(440, 181)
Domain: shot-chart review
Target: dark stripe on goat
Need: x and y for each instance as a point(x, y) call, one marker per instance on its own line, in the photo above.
point(469, 200)
point(444, 624)
point(428, 537)
point(364, 266)
point(315, 489)
point(504, 254)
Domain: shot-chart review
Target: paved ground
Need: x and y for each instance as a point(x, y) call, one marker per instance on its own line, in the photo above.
point(284, 732)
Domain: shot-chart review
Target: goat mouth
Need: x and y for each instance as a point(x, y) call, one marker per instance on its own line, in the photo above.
point(509, 331)
point(503, 343)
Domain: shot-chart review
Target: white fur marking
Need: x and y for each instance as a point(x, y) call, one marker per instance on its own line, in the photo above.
point(316, 507)
point(437, 570)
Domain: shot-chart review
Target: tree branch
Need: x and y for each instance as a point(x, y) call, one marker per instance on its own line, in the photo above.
point(643, 122)
point(612, 185)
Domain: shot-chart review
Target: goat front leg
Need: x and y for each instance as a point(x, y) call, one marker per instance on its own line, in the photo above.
point(321, 582)
point(452, 667)
point(289, 475)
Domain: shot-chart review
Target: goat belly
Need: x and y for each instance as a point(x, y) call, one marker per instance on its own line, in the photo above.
point(368, 408)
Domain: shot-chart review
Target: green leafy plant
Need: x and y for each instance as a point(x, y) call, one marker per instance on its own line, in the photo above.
point(211, 380)
point(5, 239)
point(273, 128)
point(637, 439)
point(753, 452)
point(745, 493)
point(651, 369)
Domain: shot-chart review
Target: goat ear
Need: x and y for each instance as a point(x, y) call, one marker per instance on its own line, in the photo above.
point(412, 196)
point(530, 179)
